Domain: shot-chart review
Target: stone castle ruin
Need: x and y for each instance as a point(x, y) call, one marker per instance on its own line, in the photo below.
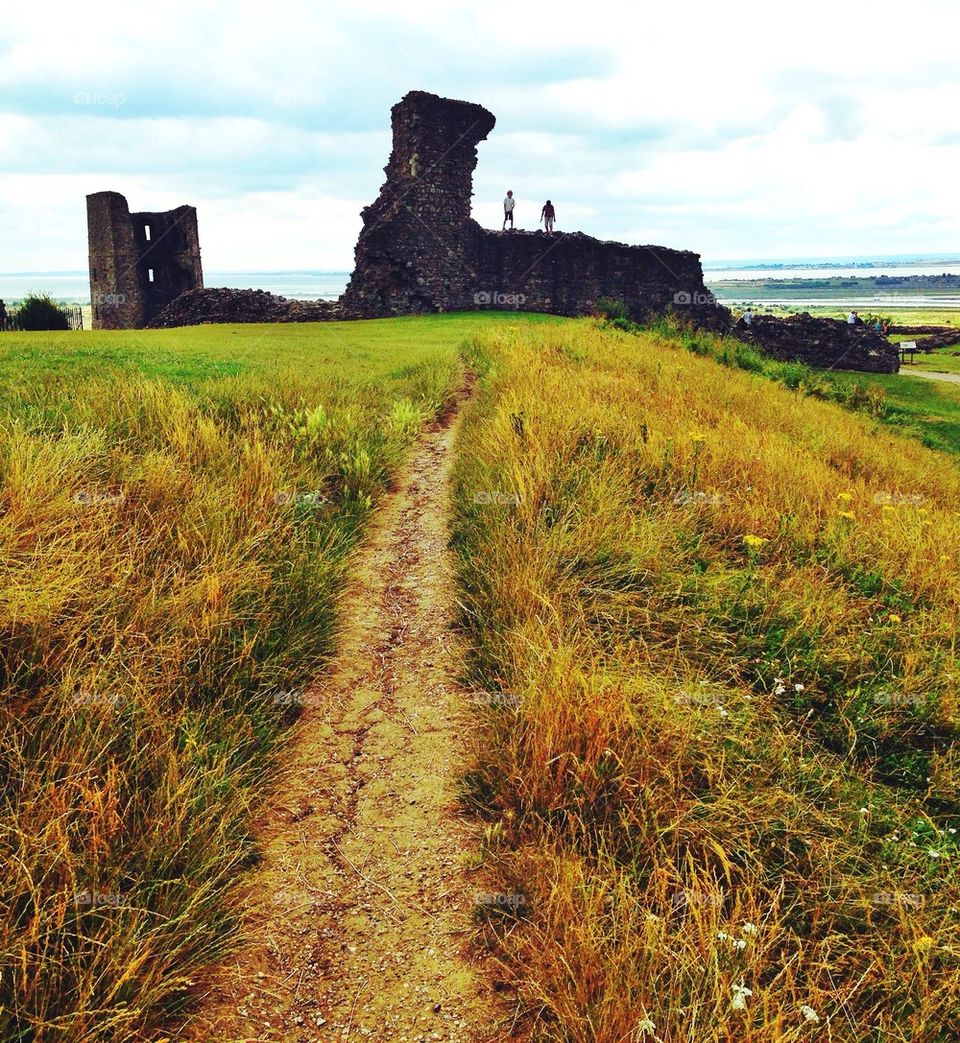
point(417, 251)
point(420, 251)
point(139, 263)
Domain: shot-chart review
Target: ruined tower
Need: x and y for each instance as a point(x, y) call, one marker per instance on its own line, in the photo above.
point(416, 251)
point(420, 251)
point(138, 262)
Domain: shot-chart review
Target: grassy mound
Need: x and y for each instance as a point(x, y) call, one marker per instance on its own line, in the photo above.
point(721, 770)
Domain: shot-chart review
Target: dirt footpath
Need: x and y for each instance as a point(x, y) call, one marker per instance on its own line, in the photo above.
point(357, 922)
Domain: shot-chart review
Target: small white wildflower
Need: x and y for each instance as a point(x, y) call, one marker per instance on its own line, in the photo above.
point(645, 1028)
point(780, 689)
point(749, 928)
point(864, 811)
point(723, 712)
point(809, 1014)
point(951, 830)
point(798, 688)
point(740, 994)
point(736, 943)
point(933, 852)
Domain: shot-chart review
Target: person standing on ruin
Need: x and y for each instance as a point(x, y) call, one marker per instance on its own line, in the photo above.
point(547, 215)
point(3, 316)
point(508, 204)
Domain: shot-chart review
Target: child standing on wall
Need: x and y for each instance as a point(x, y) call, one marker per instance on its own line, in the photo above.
point(547, 215)
point(508, 204)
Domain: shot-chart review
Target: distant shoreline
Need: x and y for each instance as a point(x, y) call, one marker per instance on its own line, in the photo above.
point(950, 260)
point(868, 283)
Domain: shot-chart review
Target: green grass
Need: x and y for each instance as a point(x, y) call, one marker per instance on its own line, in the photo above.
point(943, 360)
point(919, 316)
point(900, 316)
point(178, 509)
point(927, 410)
point(830, 287)
point(366, 350)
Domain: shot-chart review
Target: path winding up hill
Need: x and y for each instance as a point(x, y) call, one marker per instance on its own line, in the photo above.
point(356, 923)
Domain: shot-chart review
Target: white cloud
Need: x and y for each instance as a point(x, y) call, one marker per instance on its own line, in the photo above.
point(744, 129)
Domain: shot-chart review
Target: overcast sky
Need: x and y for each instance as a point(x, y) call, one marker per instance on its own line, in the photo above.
point(739, 130)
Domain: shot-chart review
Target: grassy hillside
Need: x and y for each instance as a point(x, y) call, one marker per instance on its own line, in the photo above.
point(833, 286)
point(721, 770)
point(926, 410)
point(176, 512)
point(721, 612)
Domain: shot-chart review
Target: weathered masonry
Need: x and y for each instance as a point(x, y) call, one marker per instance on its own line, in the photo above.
point(420, 250)
point(139, 263)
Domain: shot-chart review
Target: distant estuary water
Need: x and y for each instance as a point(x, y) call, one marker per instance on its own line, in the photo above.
point(74, 287)
point(766, 283)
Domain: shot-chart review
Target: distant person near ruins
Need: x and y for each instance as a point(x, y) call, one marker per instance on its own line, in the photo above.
point(853, 319)
point(508, 204)
point(747, 317)
point(547, 215)
point(3, 316)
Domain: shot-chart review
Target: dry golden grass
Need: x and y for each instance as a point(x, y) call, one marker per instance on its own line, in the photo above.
point(169, 561)
point(729, 613)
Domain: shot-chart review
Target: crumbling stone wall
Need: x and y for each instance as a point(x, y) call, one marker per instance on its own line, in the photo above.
point(930, 337)
point(196, 307)
point(823, 343)
point(140, 262)
point(568, 274)
point(417, 249)
point(420, 251)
